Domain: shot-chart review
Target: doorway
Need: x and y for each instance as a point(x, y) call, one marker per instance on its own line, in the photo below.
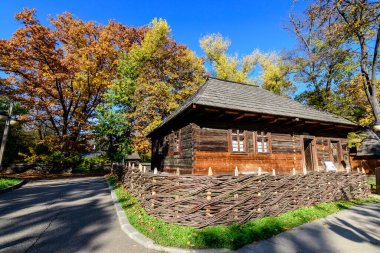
point(308, 150)
point(336, 153)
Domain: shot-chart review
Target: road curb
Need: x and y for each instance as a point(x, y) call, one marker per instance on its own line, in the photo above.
point(145, 241)
point(13, 187)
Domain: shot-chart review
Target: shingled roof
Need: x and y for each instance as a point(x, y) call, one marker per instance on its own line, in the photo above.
point(252, 99)
point(370, 146)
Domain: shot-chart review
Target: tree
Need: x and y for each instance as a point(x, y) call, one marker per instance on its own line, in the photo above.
point(156, 76)
point(320, 62)
point(113, 128)
point(275, 74)
point(227, 67)
point(359, 21)
point(275, 71)
point(60, 73)
point(354, 25)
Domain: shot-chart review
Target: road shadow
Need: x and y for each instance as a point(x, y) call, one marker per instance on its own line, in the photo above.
point(56, 216)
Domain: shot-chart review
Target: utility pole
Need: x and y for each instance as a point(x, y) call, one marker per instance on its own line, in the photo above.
point(6, 132)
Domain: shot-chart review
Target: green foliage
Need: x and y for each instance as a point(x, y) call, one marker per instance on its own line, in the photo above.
point(113, 129)
point(7, 182)
point(155, 77)
point(336, 56)
point(88, 164)
point(228, 67)
point(232, 237)
point(355, 138)
point(275, 72)
point(20, 139)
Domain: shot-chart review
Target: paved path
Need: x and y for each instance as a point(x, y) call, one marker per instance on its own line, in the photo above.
point(355, 230)
point(65, 215)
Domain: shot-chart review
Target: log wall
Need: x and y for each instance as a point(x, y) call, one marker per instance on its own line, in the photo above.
point(201, 148)
point(367, 163)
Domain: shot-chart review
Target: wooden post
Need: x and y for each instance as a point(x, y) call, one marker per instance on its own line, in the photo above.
point(236, 196)
point(144, 169)
point(294, 171)
point(177, 172)
point(210, 171)
point(273, 172)
point(153, 192)
point(208, 212)
point(363, 170)
point(140, 167)
point(377, 173)
point(129, 164)
point(259, 171)
point(133, 166)
point(358, 170)
point(236, 171)
point(155, 171)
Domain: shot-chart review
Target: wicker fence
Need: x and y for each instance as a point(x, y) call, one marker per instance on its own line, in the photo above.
point(201, 201)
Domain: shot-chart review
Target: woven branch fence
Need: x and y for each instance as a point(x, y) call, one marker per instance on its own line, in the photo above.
point(201, 201)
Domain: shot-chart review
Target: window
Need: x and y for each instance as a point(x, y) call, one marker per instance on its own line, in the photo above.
point(262, 142)
point(237, 141)
point(176, 143)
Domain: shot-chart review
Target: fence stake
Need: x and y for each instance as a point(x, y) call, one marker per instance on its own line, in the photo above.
point(273, 172)
point(236, 171)
point(140, 167)
point(209, 171)
point(358, 170)
point(259, 171)
point(236, 211)
point(178, 172)
point(294, 171)
point(144, 169)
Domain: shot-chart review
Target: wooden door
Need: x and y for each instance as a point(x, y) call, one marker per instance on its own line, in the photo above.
point(336, 153)
point(308, 154)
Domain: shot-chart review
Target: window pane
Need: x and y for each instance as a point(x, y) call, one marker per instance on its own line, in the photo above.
point(241, 147)
point(259, 146)
point(235, 147)
point(265, 148)
point(241, 141)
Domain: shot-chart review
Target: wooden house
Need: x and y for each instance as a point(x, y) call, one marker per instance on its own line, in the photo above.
point(227, 124)
point(367, 154)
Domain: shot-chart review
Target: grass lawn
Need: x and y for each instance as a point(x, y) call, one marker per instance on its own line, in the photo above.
point(6, 182)
point(232, 237)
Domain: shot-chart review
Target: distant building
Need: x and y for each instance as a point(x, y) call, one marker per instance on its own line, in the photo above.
point(227, 124)
point(133, 158)
point(367, 154)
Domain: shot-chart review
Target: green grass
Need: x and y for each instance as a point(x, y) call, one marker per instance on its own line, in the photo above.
point(232, 237)
point(7, 182)
point(372, 182)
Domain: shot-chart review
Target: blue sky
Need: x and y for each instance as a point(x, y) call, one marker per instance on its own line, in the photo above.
point(249, 24)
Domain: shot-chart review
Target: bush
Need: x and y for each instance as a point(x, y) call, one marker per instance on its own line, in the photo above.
point(91, 164)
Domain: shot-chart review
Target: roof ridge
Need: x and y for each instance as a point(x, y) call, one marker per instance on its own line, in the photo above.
point(225, 80)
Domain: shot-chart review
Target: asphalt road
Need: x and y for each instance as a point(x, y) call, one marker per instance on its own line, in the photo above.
point(64, 215)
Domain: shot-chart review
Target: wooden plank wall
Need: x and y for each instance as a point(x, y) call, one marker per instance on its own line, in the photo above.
point(367, 163)
point(211, 150)
point(201, 148)
point(324, 152)
point(171, 160)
